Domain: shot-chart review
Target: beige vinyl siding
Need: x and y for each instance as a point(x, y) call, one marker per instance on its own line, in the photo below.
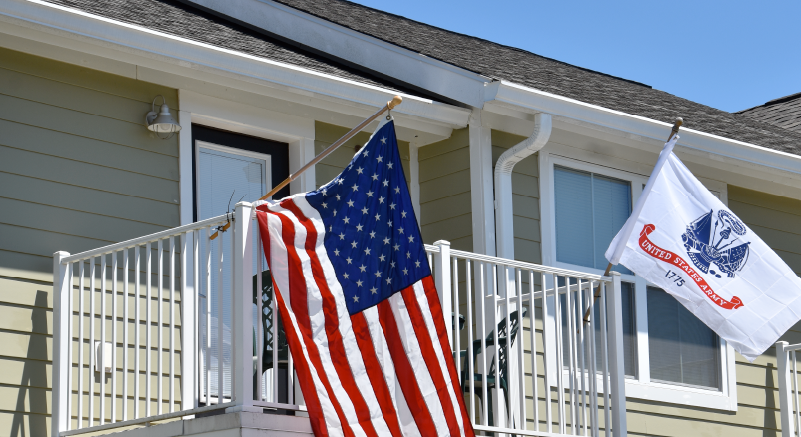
point(445, 191)
point(525, 198)
point(78, 170)
point(325, 134)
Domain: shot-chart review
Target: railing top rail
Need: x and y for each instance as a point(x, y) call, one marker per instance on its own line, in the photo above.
point(520, 264)
point(145, 239)
point(792, 347)
point(431, 249)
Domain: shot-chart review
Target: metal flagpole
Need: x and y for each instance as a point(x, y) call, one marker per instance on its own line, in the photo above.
point(388, 107)
point(676, 125)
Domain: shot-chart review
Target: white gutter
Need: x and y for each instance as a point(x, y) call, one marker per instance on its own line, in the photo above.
point(530, 100)
point(504, 214)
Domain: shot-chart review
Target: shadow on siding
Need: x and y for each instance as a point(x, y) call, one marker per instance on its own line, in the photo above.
point(34, 374)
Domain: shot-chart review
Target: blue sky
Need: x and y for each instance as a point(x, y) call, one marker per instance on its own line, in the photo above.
point(729, 55)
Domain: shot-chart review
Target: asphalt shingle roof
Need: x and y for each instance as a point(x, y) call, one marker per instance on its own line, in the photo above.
point(784, 112)
point(188, 22)
point(484, 57)
point(525, 68)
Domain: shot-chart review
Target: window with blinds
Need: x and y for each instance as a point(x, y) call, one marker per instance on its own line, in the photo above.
point(662, 341)
point(682, 349)
point(590, 210)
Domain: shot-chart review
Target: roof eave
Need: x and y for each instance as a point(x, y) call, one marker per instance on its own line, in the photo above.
point(530, 100)
point(78, 30)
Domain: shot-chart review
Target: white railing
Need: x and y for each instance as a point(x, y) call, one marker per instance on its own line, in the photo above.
point(789, 390)
point(175, 311)
point(527, 363)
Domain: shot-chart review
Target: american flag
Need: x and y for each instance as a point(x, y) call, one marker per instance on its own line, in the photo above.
point(358, 303)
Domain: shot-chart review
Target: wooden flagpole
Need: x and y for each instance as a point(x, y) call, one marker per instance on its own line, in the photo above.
point(676, 125)
point(388, 107)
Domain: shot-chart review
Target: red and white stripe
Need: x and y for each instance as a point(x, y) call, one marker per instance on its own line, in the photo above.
point(386, 371)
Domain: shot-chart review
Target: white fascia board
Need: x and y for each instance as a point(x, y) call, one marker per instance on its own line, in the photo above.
point(372, 53)
point(530, 100)
point(74, 29)
point(234, 116)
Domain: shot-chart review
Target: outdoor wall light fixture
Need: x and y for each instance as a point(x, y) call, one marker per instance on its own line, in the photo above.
point(161, 122)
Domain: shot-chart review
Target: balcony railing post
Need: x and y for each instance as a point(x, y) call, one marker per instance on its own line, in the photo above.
point(785, 389)
point(614, 316)
point(61, 344)
point(242, 324)
point(442, 267)
point(189, 326)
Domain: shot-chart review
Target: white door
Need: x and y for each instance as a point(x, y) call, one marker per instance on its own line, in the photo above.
point(225, 175)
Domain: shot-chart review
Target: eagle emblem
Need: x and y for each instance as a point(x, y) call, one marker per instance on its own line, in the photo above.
point(707, 243)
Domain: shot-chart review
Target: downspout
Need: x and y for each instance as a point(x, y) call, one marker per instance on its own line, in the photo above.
point(504, 214)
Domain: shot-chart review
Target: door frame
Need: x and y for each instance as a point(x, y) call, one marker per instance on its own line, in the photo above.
point(246, 145)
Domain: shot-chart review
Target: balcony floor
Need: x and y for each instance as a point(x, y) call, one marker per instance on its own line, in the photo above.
point(228, 425)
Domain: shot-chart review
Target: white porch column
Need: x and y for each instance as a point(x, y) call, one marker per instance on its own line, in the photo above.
point(242, 324)
point(185, 184)
point(189, 247)
point(481, 186)
point(414, 177)
point(61, 345)
point(442, 267)
point(300, 153)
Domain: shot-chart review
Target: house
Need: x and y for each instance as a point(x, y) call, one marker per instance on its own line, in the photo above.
point(260, 87)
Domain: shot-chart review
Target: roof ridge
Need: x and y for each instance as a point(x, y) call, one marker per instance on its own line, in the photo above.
point(772, 102)
point(431, 26)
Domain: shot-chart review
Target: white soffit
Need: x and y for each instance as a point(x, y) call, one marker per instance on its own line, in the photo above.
point(76, 30)
point(372, 53)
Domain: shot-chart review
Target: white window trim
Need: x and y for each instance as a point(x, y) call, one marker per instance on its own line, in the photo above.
point(235, 117)
point(640, 387)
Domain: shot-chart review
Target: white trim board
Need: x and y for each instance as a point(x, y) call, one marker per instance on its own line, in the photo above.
point(185, 152)
point(298, 132)
point(361, 49)
point(506, 95)
point(237, 117)
point(640, 156)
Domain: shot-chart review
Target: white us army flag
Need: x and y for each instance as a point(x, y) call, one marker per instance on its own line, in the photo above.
point(683, 239)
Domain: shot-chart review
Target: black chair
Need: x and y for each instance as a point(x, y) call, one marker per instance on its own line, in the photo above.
point(282, 366)
point(502, 360)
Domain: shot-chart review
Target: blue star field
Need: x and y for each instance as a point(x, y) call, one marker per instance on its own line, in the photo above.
point(372, 237)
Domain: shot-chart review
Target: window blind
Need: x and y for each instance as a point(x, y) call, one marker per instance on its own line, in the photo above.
point(681, 348)
point(590, 210)
point(629, 328)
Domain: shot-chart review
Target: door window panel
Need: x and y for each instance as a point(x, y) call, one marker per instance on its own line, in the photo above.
point(224, 177)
